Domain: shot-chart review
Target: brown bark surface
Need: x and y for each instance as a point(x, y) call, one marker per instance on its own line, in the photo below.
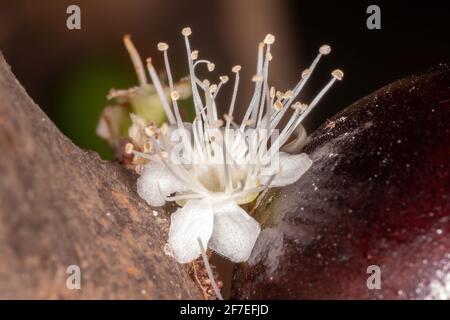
point(61, 206)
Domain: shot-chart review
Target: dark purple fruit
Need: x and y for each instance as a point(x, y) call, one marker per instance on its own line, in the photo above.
point(378, 193)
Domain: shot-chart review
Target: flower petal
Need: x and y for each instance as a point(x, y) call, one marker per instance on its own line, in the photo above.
point(156, 183)
point(193, 221)
point(292, 167)
point(235, 232)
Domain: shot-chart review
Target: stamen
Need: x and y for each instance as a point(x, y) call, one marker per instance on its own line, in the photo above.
point(209, 270)
point(251, 110)
point(226, 170)
point(265, 72)
point(223, 80)
point(196, 97)
point(285, 136)
point(174, 95)
point(136, 59)
point(236, 70)
point(160, 91)
point(298, 88)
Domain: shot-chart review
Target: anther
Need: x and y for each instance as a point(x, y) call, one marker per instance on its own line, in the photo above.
point(299, 106)
point(306, 73)
point(213, 88)
point(175, 95)
point(236, 68)
point(162, 46)
point(211, 66)
point(224, 79)
point(325, 49)
point(194, 55)
point(278, 105)
point(338, 74)
point(289, 94)
point(269, 39)
point(186, 32)
point(272, 92)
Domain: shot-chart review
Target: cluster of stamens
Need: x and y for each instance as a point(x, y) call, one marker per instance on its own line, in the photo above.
point(265, 111)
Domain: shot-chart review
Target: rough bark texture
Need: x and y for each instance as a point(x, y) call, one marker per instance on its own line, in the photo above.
point(62, 206)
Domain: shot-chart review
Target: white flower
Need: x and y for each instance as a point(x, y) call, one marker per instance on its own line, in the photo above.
point(217, 165)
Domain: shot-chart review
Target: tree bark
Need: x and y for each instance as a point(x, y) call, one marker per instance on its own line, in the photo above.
point(62, 206)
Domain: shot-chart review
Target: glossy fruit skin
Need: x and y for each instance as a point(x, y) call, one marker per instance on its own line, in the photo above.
point(378, 193)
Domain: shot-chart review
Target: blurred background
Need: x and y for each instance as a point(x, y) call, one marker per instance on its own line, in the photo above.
point(69, 72)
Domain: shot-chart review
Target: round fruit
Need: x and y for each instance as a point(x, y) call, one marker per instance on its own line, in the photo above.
point(371, 218)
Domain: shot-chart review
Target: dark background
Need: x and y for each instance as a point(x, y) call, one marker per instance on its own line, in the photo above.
point(414, 36)
point(68, 73)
